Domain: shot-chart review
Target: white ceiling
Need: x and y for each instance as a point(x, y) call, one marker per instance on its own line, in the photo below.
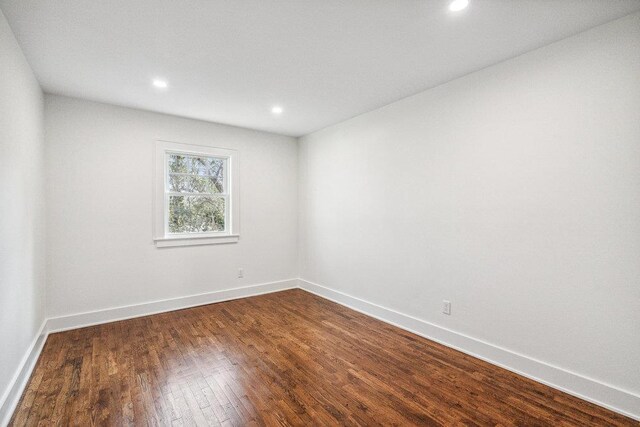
point(323, 61)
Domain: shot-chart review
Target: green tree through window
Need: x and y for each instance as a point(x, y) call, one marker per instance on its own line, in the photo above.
point(196, 189)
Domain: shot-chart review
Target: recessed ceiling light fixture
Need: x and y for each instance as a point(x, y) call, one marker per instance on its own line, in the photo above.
point(276, 109)
point(458, 5)
point(159, 83)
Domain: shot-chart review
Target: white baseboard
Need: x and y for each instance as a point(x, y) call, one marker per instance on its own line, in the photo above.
point(12, 394)
point(605, 395)
point(621, 401)
point(80, 320)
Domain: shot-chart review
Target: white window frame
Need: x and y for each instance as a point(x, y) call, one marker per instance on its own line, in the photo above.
point(162, 237)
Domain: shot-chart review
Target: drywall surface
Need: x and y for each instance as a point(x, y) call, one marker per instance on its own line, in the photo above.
point(513, 192)
point(100, 194)
point(22, 244)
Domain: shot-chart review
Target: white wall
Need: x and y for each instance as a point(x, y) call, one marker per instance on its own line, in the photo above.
point(99, 222)
point(513, 192)
point(21, 209)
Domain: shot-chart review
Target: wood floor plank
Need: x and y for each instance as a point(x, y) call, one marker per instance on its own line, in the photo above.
point(287, 358)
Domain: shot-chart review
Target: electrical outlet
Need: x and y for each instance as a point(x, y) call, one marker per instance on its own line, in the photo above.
point(240, 273)
point(446, 307)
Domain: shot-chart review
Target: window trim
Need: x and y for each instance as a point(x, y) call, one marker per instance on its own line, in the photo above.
point(161, 235)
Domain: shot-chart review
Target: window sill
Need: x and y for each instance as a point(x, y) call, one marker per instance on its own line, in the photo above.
point(164, 242)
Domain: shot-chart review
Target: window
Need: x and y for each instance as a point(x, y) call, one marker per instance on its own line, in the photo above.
point(196, 195)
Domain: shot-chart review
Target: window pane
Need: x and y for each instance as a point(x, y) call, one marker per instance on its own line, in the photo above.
point(195, 184)
point(178, 163)
point(210, 166)
point(196, 214)
point(196, 165)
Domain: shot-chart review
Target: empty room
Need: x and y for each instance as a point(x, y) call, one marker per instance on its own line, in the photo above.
point(319, 212)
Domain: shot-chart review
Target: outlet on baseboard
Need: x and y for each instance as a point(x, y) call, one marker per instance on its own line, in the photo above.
point(446, 307)
point(240, 273)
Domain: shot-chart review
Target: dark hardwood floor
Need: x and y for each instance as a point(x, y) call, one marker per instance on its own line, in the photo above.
point(288, 358)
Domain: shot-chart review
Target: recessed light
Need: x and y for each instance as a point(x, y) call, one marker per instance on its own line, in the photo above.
point(458, 5)
point(276, 109)
point(162, 84)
